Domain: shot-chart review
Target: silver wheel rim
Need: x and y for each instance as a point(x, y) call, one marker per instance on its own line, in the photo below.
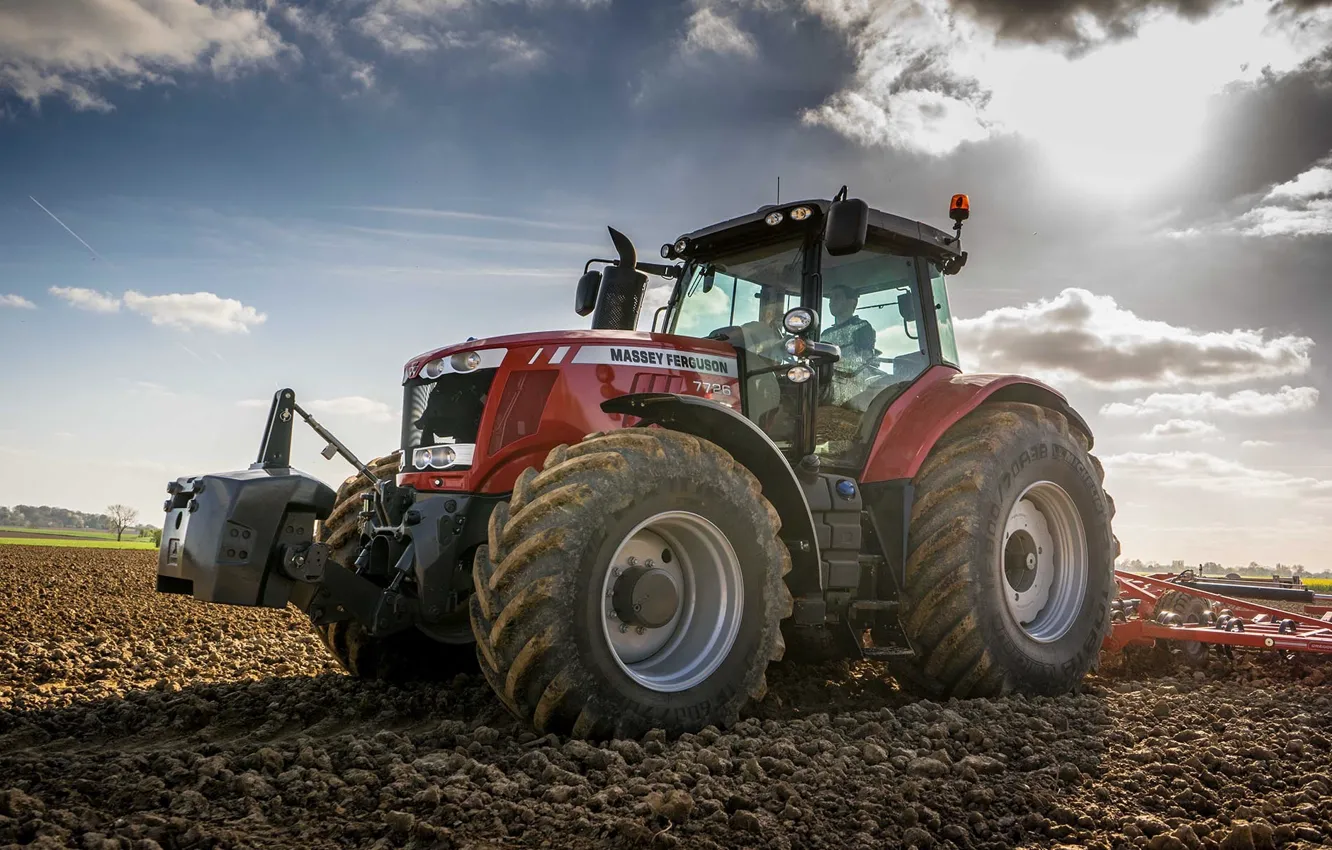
point(1044, 562)
point(705, 572)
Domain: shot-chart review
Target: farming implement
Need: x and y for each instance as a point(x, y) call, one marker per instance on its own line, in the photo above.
point(621, 529)
point(1191, 616)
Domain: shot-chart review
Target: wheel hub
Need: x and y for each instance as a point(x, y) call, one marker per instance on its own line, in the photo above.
point(1045, 564)
point(673, 596)
point(645, 596)
point(1028, 562)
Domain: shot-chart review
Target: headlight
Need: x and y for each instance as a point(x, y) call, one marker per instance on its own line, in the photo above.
point(774, 218)
point(681, 245)
point(432, 370)
point(795, 346)
point(800, 213)
point(666, 251)
point(465, 361)
point(437, 457)
point(799, 374)
point(798, 320)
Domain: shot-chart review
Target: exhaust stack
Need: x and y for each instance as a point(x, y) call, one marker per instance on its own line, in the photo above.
point(622, 288)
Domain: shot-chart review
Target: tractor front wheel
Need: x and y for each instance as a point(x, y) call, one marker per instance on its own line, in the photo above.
point(1010, 568)
point(635, 583)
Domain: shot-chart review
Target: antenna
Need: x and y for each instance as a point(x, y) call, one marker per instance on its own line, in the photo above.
point(779, 188)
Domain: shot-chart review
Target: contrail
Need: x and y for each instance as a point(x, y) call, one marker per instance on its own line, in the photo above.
point(66, 226)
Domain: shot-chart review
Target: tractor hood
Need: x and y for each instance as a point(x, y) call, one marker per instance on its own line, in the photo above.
point(557, 345)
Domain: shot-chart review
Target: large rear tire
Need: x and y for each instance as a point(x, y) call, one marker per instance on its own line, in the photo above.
point(1010, 568)
point(405, 656)
point(571, 630)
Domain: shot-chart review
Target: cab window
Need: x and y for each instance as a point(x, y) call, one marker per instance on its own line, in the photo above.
point(871, 311)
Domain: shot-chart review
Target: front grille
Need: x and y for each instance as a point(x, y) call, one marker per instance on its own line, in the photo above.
point(445, 410)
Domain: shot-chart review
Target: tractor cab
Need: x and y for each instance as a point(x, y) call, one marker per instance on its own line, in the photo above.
point(834, 310)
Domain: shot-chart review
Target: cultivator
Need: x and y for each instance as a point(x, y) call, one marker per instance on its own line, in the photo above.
point(1187, 613)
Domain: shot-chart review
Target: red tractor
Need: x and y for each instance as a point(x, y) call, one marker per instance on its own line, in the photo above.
point(622, 529)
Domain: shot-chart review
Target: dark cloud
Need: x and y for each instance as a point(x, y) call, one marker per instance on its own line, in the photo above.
point(1263, 133)
point(1064, 23)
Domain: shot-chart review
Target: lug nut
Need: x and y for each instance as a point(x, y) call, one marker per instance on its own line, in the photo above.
point(624, 627)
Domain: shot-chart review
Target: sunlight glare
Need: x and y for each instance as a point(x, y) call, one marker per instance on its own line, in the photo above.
point(1127, 115)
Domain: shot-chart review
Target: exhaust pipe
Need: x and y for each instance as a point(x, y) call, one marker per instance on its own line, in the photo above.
point(622, 288)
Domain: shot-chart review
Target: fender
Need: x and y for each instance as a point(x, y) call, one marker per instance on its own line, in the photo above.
point(916, 420)
point(754, 450)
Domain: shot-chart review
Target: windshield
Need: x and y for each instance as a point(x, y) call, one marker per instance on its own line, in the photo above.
point(731, 290)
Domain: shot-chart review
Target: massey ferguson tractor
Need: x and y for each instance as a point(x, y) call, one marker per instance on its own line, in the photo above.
point(623, 529)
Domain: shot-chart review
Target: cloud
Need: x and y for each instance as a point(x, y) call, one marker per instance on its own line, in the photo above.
point(86, 299)
point(407, 27)
point(913, 89)
point(710, 32)
point(195, 310)
point(1257, 444)
point(1262, 133)
point(353, 405)
point(1243, 403)
point(256, 403)
point(1299, 207)
point(69, 48)
point(17, 302)
point(1203, 471)
point(1183, 428)
point(932, 75)
point(1081, 336)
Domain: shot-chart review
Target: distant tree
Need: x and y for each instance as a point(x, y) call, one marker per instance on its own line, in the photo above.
point(122, 517)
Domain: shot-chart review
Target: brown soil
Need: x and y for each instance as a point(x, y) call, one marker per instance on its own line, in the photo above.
point(136, 720)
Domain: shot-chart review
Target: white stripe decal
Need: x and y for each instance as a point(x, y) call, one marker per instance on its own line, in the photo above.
point(535, 356)
point(661, 358)
point(559, 354)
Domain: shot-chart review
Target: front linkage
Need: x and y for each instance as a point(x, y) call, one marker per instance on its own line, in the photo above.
point(248, 538)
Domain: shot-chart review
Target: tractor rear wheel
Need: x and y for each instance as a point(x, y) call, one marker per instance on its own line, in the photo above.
point(1010, 568)
point(405, 656)
point(635, 583)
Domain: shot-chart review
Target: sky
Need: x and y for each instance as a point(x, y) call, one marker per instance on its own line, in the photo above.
point(203, 202)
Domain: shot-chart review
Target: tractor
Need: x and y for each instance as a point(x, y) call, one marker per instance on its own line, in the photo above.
point(621, 529)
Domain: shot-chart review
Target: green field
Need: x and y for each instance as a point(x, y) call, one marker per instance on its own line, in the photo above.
point(64, 532)
point(144, 544)
point(79, 538)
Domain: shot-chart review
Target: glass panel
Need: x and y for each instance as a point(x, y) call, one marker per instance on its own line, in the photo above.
point(746, 287)
point(871, 311)
point(752, 289)
point(947, 339)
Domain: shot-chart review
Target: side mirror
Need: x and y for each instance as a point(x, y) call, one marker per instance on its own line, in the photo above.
point(847, 227)
point(585, 298)
point(906, 307)
point(709, 278)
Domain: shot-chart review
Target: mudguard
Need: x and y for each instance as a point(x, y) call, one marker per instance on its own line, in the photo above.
point(916, 420)
point(755, 451)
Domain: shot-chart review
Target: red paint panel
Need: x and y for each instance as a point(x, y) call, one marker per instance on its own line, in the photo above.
point(920, 416)
point(573, 406)
point(520, 407)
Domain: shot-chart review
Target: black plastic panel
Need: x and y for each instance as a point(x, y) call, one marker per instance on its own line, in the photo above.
point(222, 533)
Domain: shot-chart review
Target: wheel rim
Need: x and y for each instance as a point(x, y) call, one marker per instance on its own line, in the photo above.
point(1044, 563)
point(694, 557)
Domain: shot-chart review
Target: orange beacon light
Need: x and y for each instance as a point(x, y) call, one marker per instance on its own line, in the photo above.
point(959, 208)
